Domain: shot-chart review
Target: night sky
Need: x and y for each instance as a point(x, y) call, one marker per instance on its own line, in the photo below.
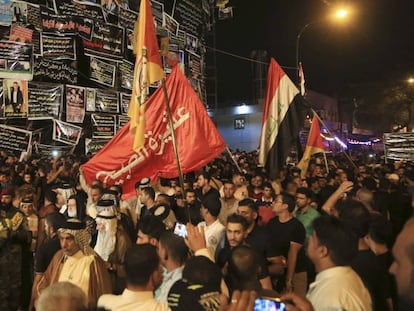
point(376, 43)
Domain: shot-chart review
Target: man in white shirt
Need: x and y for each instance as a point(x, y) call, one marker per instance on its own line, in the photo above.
point(331, 248)
point(213, 229)
point(143, 275)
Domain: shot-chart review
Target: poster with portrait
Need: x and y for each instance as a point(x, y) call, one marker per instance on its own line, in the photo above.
point(19, 12)
point(90, 94)
point(75, 104)
point(66, 133)
point(191, 44)
point(15, 98)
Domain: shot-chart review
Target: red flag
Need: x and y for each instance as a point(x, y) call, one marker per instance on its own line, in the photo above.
point(198, 141)
point(313, 145)
point(148, 69)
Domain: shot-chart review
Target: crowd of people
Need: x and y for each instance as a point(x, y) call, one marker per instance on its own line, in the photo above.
point(340, 237)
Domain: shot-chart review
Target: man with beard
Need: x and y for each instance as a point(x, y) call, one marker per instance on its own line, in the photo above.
point(77, 263)
point(111, 245)
point(48, 249)
point(19, 238)
point(188, 208)
point(228, 202)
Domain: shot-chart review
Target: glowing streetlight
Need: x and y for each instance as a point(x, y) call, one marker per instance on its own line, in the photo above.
point(410, 80)
point(340, 14)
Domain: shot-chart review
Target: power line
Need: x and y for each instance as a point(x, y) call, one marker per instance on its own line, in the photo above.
point(245, 58)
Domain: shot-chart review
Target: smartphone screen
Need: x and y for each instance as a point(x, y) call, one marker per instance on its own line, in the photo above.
point(264, 304)
point(180, 230)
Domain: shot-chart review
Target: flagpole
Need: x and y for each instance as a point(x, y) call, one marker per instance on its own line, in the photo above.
point(174, 141)
point(323, 123)
point(326, 162)
point(235, 162)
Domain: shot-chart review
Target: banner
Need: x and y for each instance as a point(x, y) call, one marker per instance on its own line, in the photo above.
point(107, 101)
point(107, 41)
point(92, 146)
point(75, 104)
point(126, 74)
point(399, 146)
point(15, 98)
point(16, 60)
point(15, 140)
point(103, 126)
point(198, 141)
point(45, 101)
point(66, 133)
point(102, 71)
point(58, 47)
point(49, 70)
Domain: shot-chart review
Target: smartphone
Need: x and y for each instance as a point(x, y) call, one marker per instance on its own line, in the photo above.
point(269, 304)
point(180, 230)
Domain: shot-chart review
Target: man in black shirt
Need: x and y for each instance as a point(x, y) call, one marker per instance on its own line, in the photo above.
point(48, 249)
point(287, 236)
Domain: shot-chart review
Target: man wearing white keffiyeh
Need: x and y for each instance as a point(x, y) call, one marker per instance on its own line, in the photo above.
point(111, 245)
point(77, 263)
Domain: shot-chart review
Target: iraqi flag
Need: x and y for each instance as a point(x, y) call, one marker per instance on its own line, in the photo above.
point(198, 141)
point(283, 117)
point(314, 145)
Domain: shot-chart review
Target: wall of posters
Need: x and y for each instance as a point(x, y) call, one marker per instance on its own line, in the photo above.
point(53, 51)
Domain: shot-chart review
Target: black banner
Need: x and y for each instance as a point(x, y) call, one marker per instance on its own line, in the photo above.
point(103, 126)
point(16, 60)
point(48, 70)
point(107, 101)
point(92, 146)
point(58, 47)
point(126, 74)
point(102, 71)
point(106, 41)
point(15, 140)
point(45, 100)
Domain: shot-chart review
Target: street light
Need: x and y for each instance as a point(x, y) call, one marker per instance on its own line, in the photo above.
point(339, 14)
